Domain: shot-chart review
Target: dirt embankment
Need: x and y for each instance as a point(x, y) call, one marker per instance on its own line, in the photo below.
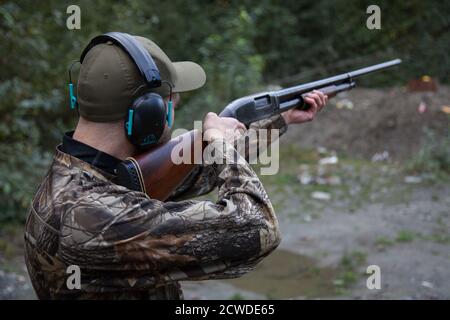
point(375, 120)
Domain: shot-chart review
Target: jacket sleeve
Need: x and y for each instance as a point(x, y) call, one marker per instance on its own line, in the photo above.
point(203, 178)
point(123, 230)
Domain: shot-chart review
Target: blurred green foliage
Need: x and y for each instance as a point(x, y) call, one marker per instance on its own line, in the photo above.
point(241, 45)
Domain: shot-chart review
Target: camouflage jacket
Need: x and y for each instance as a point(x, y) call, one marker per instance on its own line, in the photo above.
point(129, 246)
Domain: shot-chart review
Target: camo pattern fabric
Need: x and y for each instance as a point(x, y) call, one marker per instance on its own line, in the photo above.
point(129, 246)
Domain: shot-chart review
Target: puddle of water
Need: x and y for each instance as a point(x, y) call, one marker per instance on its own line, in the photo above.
point(284, 274)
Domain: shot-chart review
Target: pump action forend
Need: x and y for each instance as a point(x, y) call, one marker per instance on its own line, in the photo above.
point(263, 105)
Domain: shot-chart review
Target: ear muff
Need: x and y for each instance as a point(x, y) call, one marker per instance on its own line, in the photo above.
point(146, 120)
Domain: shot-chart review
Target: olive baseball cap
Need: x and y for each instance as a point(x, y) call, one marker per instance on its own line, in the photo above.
point(109, 80)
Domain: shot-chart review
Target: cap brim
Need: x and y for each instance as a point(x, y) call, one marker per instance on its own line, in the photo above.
point(190, 76)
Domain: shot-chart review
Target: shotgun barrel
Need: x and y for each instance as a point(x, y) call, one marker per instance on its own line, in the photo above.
point(345, 77)
point(266, 104)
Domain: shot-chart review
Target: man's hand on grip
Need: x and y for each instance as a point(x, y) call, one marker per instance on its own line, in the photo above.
point(215, 127)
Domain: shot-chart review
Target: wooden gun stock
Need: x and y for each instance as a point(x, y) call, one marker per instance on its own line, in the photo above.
point(154, 172)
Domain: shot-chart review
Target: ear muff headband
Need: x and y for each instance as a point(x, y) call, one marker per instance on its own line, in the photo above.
point(135, 50)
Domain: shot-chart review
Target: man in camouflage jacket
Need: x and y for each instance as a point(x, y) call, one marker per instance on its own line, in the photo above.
point(125, 244)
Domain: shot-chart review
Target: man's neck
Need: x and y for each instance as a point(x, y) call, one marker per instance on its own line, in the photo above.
point(108, 137)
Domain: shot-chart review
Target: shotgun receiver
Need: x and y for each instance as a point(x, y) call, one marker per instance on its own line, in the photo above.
point(154, 173)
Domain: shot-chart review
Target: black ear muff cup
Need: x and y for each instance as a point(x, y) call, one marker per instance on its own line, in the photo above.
point(149, 120)
point(147, 116)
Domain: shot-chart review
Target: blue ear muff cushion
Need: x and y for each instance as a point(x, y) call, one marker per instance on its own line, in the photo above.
point(73, 99)
point(169, 114)
point(129, 123)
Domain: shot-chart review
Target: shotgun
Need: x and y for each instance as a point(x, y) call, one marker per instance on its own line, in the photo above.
point(154, 173)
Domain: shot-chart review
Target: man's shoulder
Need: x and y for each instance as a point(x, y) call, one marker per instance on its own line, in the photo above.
point(71, 182)
point(82, 198)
